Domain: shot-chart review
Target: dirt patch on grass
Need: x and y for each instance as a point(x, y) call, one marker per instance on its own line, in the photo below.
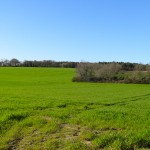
point(88, 142)
point(69, 131)
point(12, 145)
point(65, 132)
point(47, 118)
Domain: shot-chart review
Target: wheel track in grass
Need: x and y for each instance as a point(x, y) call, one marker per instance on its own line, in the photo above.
point(134, 98)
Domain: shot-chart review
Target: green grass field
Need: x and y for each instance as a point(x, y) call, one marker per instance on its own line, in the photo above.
point(41, 108)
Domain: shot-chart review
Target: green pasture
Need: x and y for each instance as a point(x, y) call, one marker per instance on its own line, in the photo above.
point(41, 108)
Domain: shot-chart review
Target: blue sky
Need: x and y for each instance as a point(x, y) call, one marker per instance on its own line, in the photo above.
point(75, 30)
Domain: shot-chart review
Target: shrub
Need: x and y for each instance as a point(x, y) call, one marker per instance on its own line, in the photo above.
point(111, 72)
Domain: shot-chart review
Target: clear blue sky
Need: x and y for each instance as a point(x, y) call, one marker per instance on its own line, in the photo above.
point(75, 30)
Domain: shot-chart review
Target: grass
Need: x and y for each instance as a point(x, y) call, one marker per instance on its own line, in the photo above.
point(41, 108)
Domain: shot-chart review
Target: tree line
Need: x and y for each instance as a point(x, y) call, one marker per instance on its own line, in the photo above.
point(118, 72)
point(35, 63)
point(127, 66)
